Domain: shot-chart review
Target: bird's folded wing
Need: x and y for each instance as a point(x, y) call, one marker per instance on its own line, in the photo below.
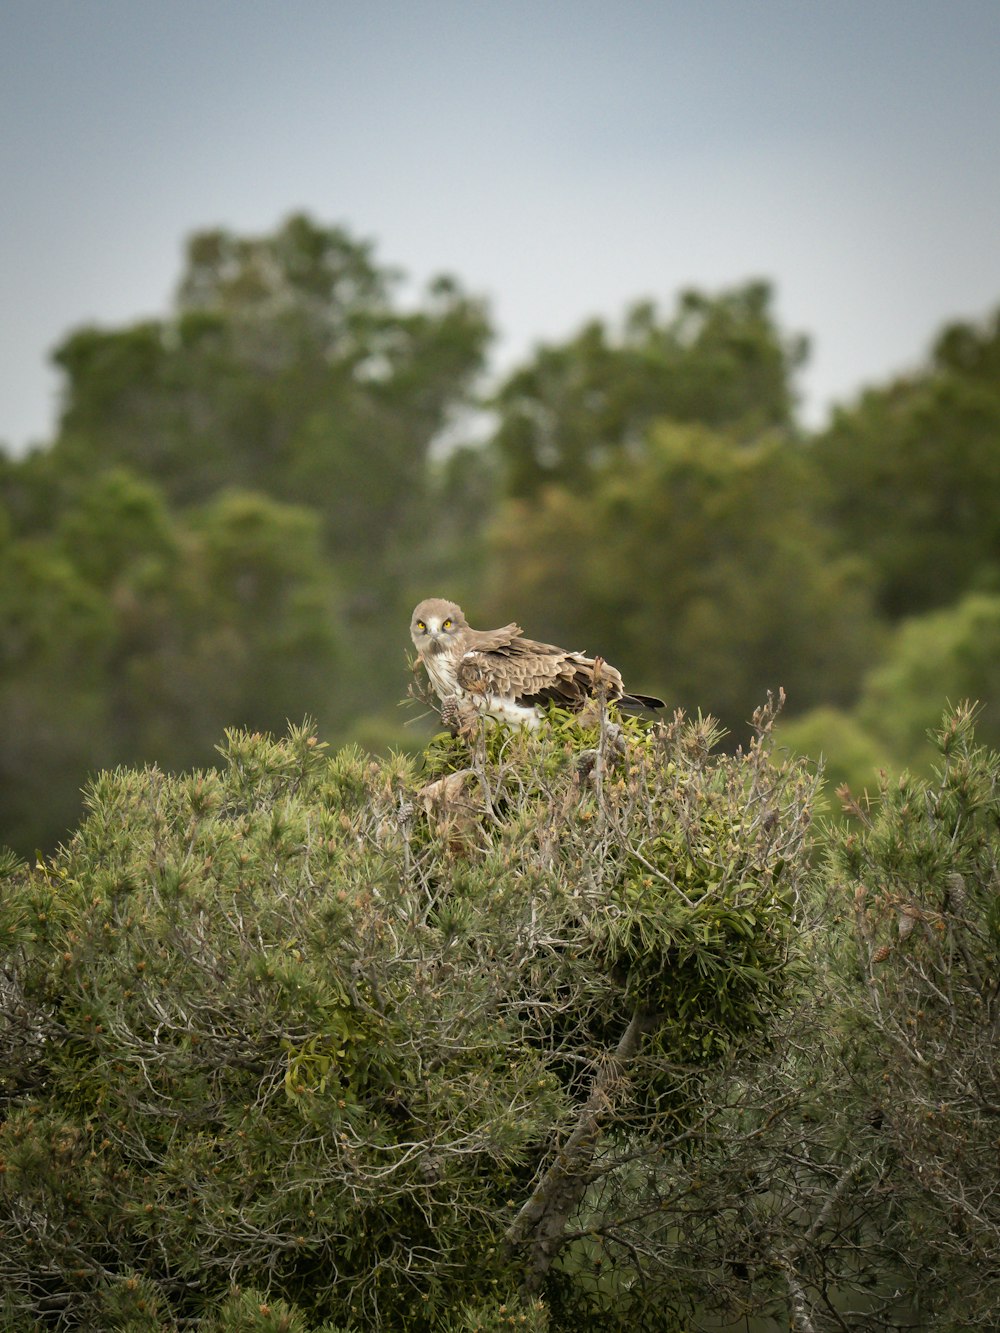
point(530, 672)
point(490, 640)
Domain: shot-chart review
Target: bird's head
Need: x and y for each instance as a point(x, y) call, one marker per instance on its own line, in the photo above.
point(435, 625)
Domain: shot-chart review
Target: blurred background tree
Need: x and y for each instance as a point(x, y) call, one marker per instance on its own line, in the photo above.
point(913, 475)
point(132, 635)
point(230, 524)
point(702, 562)
point(719, 361)
point(290, 367)
point(245, 498)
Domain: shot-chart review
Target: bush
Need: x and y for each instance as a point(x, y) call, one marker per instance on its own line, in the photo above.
point(318, 1029)
point(920, 875)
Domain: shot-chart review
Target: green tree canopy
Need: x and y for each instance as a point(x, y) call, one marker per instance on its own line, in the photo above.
point(913, 472)
point(211, 470)
point(129, 632)
point(952, 654)
point(700, 568)
point(54, 634)
point(289, 366)
point(719, 361)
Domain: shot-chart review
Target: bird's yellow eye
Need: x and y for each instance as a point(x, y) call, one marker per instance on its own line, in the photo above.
point(421, 625)
point(446, 624)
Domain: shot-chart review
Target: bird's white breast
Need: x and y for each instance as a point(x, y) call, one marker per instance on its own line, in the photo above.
point(441, 670)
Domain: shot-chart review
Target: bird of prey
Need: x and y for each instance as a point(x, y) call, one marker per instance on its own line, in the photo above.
point(503, 675)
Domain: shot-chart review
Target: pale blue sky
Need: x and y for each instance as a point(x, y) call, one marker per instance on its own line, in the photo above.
point(562, 158)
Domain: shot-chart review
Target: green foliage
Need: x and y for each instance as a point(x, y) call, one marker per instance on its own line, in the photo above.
point(128, 632)
point(53, 635)
point(919, 872)
point(951, 654)
point(500, 1317)
point(276, 1026)
point(119, 530)
point(246, 497)
point(167, 567)
point(288, 369)
point(317, 1042)
point(719, 361)
point(702, 562)
point(848, 752)
point(913, 474)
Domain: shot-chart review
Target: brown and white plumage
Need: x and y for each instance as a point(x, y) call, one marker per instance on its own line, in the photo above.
point(504, 675)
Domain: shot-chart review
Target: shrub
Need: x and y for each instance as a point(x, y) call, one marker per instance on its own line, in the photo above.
point(316, 1029)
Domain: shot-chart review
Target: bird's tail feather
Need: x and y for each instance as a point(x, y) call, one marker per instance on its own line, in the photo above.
point(630, 701)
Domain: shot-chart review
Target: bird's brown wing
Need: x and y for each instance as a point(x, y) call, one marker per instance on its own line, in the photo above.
point(490, 640)
point(533, 673)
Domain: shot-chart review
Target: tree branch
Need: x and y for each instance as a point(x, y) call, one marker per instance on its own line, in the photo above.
point(544, 1216)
